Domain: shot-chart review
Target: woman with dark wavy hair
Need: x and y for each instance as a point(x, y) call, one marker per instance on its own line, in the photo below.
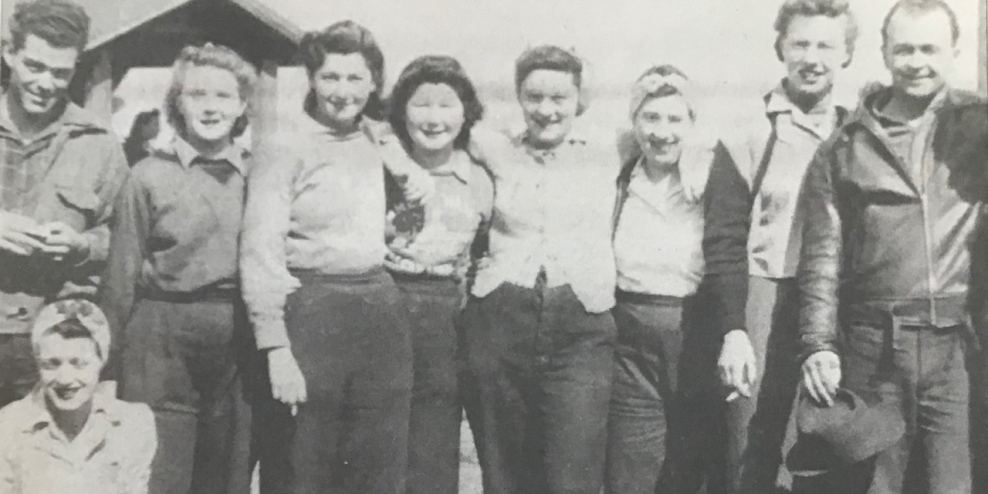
point(171, 286)
point(337, 366)
point(433, 108)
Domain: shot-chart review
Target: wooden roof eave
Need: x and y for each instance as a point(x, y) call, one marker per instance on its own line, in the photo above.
point(256, 8)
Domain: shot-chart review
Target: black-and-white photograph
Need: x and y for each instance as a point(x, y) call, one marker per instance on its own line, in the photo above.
point(502, 247)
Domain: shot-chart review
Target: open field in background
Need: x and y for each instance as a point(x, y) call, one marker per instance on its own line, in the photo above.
point(724, 108)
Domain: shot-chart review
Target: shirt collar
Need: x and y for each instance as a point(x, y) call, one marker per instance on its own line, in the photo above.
point(778, 101)
point(187, 155)
point(458, 166)
point(36, 415)
point(577, 135)
point(72, 115)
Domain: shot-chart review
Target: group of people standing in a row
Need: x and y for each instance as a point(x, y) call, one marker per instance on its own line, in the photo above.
point(647, 315)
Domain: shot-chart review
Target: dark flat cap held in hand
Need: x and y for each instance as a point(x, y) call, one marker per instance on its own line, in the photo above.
point(849, 431)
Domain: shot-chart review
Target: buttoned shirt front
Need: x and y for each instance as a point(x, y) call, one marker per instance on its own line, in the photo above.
point(111, 455)
point(659, 236)
point(176, 227)
point(70, 172)
point(774, 239)
point(434, 238)
point(553, 211)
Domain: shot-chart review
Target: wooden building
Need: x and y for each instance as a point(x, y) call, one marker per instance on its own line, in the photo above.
point(150, 33)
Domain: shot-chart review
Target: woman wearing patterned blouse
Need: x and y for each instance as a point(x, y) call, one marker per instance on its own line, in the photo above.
point(433, 107)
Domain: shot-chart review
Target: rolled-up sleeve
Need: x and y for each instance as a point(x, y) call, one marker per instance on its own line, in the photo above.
point(265, 279)
point(820, 257)
point(727, 220)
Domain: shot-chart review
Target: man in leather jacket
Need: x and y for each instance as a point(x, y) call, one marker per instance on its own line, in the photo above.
point(892, 202)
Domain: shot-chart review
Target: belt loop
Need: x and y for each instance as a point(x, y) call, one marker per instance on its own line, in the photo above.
point(886, 362)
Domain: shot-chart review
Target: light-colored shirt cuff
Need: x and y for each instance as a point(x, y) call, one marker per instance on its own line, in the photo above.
point(270, 333)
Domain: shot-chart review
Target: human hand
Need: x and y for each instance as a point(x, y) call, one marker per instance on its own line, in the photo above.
point(64, 242)
point(287, 381)
point(737, 364)
point(418, 186)
point(822, 375)
point(21, 235)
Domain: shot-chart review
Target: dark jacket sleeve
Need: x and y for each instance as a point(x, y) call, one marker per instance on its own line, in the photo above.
point(727, 219)
point(820, 257)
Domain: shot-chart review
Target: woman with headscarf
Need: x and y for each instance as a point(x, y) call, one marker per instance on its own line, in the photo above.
point(665, 195)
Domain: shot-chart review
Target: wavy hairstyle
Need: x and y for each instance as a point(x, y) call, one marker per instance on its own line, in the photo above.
point(434, 69)
point(63, 24)
point(344, 38)
point(209, 55)
point(812, 8)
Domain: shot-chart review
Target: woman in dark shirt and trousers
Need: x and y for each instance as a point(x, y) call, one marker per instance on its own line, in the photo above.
point(664, 362)
point(171, 285)
point(328, 317)
point(433, 107)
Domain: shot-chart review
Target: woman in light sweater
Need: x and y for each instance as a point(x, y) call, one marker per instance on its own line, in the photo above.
point(325, 313)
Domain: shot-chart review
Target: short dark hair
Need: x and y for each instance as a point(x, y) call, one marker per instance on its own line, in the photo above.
point(209, 55)
point(790, 9)
point(71, 329)
point(344, 38)
point(922, 7)
point(548, 57)
point(433, 69)
point(62, 23)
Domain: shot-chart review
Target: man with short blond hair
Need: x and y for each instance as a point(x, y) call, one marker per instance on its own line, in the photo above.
point(815, 42)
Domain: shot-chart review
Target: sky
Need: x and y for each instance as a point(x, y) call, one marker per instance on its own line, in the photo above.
point(723, 45)
point(715, 41)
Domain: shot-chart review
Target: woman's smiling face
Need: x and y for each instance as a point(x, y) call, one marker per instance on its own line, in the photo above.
point(434, 117)
point(550, 101)
point(342, 87)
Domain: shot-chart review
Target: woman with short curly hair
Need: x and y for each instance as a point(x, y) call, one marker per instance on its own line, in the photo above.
point(171, 285)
